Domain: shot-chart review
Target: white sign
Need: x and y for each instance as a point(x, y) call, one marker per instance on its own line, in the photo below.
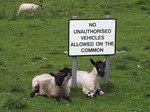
point(92, 37)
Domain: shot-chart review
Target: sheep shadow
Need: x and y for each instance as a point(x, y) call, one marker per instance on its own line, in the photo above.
point(109, 88)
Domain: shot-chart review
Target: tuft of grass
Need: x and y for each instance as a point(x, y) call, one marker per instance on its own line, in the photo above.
point(33, 25)
point(14, 102)
point(126, 57)
point(47, 66)
point(16, 88)
point(36, 58)
point(2, 63)
point(121, 66)
point(107, 13)
point(123, 48)
point(147, 48)
point(131, 58)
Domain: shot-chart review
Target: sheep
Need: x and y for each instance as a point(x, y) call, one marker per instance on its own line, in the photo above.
point(37, 80)
point(42, 85)
point(89, 82)
point(29, 7)
point(57, 88)
point(40, 78)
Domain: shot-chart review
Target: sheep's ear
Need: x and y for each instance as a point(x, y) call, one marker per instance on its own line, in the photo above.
point(65, 75)
point(92, 61)
point(62, 71)
point(104, 60)
point(52, 74)
point(66, 69)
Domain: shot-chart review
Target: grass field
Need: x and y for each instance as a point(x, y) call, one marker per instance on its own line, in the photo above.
point(32, 44)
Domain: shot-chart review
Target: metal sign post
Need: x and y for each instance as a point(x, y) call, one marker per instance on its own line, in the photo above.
point(106, 76)
point(74, 66)
point(107, 73)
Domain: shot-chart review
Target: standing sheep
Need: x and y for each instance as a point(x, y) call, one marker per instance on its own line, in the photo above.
point(29, 7)
point(89, 82)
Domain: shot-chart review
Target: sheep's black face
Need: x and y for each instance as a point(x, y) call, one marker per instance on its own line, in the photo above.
point(59, 78)
point(41, 6)
point(100, 67)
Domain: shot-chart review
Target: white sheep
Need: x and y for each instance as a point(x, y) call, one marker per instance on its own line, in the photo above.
point(89, 82)
point(51, 85)
point(29, 7)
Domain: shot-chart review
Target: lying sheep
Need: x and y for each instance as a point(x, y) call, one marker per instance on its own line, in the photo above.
point(29, 7)
point(55, 88)
point(89, 82)
point(40, 78)
point(52, 85)
point(37, 80)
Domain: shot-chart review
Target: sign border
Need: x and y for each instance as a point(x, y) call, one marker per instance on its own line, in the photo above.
point(93, 19)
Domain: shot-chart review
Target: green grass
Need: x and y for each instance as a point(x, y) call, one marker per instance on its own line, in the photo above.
point(32, 44)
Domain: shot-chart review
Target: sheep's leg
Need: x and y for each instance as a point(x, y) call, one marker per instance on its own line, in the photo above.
point(55, 98)
point(38, 94)
point(67, 98)
point(99, 90)
point(66, 93)
point(88, 93)
point(31, 11)
point(85, 91)
point(44, 95)
point(18, 13)
point(34, 91)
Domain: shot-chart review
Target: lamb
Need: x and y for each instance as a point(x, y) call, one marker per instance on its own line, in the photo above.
point(89, 82)
point(29, 7)
point(40, 78)
point(51, 85)
point(36, 80)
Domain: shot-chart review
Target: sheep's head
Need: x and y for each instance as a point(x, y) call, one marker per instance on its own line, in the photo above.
point(100, 67)
point(59, 78)
point(66, 70)
point(41, 6)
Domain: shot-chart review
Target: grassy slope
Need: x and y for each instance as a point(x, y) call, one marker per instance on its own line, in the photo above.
point(25, 40)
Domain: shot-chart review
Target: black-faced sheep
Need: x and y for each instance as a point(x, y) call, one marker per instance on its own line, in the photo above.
point(52, 85)
point(40, 78)
point(89, 82)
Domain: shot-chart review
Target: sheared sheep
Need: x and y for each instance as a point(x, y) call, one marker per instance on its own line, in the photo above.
point(29, 7)
point(89, 82)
